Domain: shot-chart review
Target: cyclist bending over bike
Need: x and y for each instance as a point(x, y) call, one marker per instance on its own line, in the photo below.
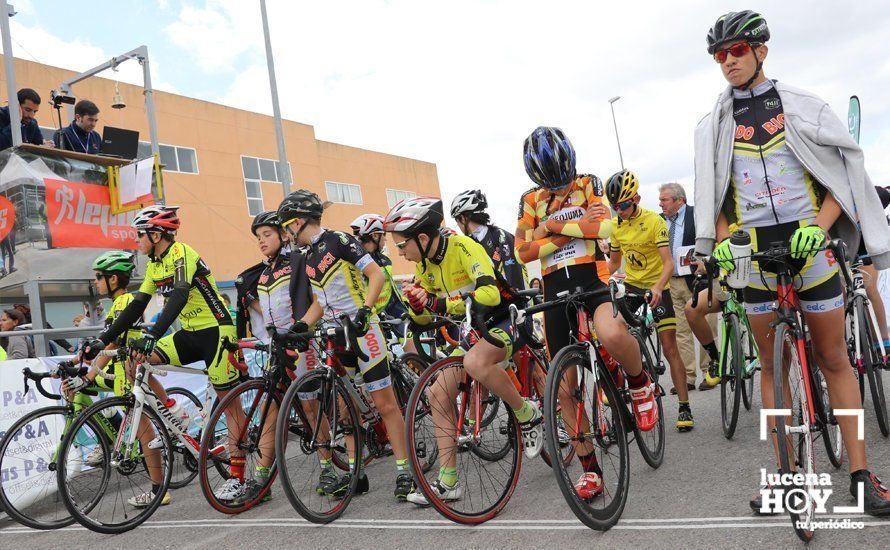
point(176, 272)
point(336, 265)
point(449, 267)
point(641, 237)
point(561, 223)
point(776, 161)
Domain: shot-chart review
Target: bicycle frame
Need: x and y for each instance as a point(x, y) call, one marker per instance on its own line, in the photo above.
point(855, 291)
point(788, 311)
point(731, 306)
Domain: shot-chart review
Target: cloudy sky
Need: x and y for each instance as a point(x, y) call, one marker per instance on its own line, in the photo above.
point(462, 83)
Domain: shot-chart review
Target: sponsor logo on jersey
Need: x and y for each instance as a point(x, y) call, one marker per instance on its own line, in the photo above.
point(326, 262)
point(772, 103)
point(741, 110)
point(754, 206)
point(775, 124)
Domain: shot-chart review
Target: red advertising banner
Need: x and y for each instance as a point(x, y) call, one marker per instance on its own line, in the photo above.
point(7, 217)
point(79, 215)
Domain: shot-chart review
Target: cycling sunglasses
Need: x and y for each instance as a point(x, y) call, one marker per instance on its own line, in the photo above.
point(736, 50)
point(624, 205)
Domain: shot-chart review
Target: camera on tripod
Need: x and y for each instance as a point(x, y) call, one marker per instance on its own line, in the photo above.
point(61, 98)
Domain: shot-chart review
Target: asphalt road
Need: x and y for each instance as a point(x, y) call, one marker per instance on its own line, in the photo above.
point(697, 499)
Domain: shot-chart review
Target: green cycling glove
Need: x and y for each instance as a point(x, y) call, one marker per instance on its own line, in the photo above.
point(806, 241)
point(723, 255)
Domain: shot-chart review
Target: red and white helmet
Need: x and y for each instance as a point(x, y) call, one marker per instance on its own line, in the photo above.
point(159, 218)
point(367, 225)
point(414, 215)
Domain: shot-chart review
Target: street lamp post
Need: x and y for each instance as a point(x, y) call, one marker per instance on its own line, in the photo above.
point(276, 112)
point(615, 124)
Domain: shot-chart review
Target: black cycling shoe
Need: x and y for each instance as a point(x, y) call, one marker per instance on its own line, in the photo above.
point(342, 486)
point(404, 486)
point(756, 503)
point(327, 481)
point(252, 490)
point(877, 496)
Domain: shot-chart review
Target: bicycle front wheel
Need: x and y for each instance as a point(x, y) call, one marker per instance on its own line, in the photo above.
point(185, 465)
point(794, 433)
point(590, 408)
point(731, 378)
point(114, 494)
point(28, 452)
point(749, 348)
point(317, 416)
point(873, 363)
point(651, 443)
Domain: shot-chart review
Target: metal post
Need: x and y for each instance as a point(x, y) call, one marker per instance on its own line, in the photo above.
point(15, 116)
point(149, 100)
point(612, 105)
point(276, 112)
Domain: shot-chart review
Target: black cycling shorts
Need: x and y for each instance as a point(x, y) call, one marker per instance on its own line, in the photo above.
point(559, 322)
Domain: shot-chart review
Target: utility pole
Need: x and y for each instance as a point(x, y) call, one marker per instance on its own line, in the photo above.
point(615, 124)
point(276, 111)
point(15, 115)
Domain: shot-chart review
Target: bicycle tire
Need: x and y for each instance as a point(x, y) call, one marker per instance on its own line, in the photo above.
point(873, 366)
point(785, 352)
point(27, 515)
point(614, 435)
point(651, 443)
point(750, 349)
point(185, 466)
point(851, 333)
point(289, 439)
point(831, 430)
point(489, 502)
point(537, 394)
point(731, 378)
point(129, 522)
point(248, 439)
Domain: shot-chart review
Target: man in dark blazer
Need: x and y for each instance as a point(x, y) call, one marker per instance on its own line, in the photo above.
point(681, 233)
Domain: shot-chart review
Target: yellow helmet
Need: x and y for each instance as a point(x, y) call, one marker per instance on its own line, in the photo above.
point(622, 186)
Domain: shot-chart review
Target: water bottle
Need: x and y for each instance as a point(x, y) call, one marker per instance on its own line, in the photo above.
point(180, 415)
point(740, 245)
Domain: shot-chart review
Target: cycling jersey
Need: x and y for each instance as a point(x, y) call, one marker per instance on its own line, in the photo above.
point(768, 184)
point(459, 265)
point(334, 264)
point(181, 265)
point(121, 385)
point(500, 246)
point(572, 238)
point(390, 291)
point(639, 239)
point(273, 295)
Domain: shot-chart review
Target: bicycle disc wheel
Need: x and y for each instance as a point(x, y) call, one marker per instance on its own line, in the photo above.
point(245, 419)
point(185, 465)
point(597, 431)
point(731, 378)
point(651, 443)
point(750, 350)
point(28, 489)
point(831, 430)
point(872, 361)
point(437, 417)
point(103, 496)
point(318, 414)
point(794, 456)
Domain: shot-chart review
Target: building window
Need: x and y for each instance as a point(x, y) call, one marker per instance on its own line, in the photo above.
point(254, 191)
point(174, 157)
point(394, 195)
point(262, 169)
point(347, 193)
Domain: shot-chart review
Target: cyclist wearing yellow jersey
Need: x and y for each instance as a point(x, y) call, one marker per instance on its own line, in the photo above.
point(640, 237)
point(336, 265)
point(176, 272)
point(448, 266)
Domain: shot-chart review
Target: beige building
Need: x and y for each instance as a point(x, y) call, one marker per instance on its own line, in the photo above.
point(218, 167)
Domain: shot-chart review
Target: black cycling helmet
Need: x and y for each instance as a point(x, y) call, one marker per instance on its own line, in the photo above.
point(549, 158)
point(300, 204)
point(268, 218)
point(622, 186)
point(737, 25)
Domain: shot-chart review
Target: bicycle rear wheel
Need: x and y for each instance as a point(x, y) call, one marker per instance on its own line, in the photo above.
point(103, 496)
point(185, 466)
point(749, 348)
point(597, 431)
point(250, 411)
point(831, 430)
point(873, 363)
point(318, 413)
point(28, 451)
point(436, 417)
point(651, 443)
point(731, 378)
point(794, 433)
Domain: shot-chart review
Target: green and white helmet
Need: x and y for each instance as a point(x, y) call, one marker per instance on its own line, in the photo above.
point(114, 261)
point(737, 25)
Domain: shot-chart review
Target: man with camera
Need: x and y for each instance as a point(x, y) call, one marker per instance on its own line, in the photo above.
point(80, 136)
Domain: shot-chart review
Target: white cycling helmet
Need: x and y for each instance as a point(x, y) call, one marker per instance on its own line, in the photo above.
point(467, 202)
point(367, 225)
point(412, 216)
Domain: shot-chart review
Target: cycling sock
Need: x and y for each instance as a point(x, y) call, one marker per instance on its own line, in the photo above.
point(262, 472)
point(712, 351)
point(590, 463)
point(637, 381)
point(325, 463)
point(684, 406)
point(448, 476)
point(525, 413)
point(237, 467)
point(402, 465)
point(155, 489)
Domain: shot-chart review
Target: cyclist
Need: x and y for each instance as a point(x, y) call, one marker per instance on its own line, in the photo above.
point(640, 237)
point(778, 162)
point(448, 266)
point(368, 229)
point(871, 281)
point(560, 222)
point(336, 265)
point(176, 272)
